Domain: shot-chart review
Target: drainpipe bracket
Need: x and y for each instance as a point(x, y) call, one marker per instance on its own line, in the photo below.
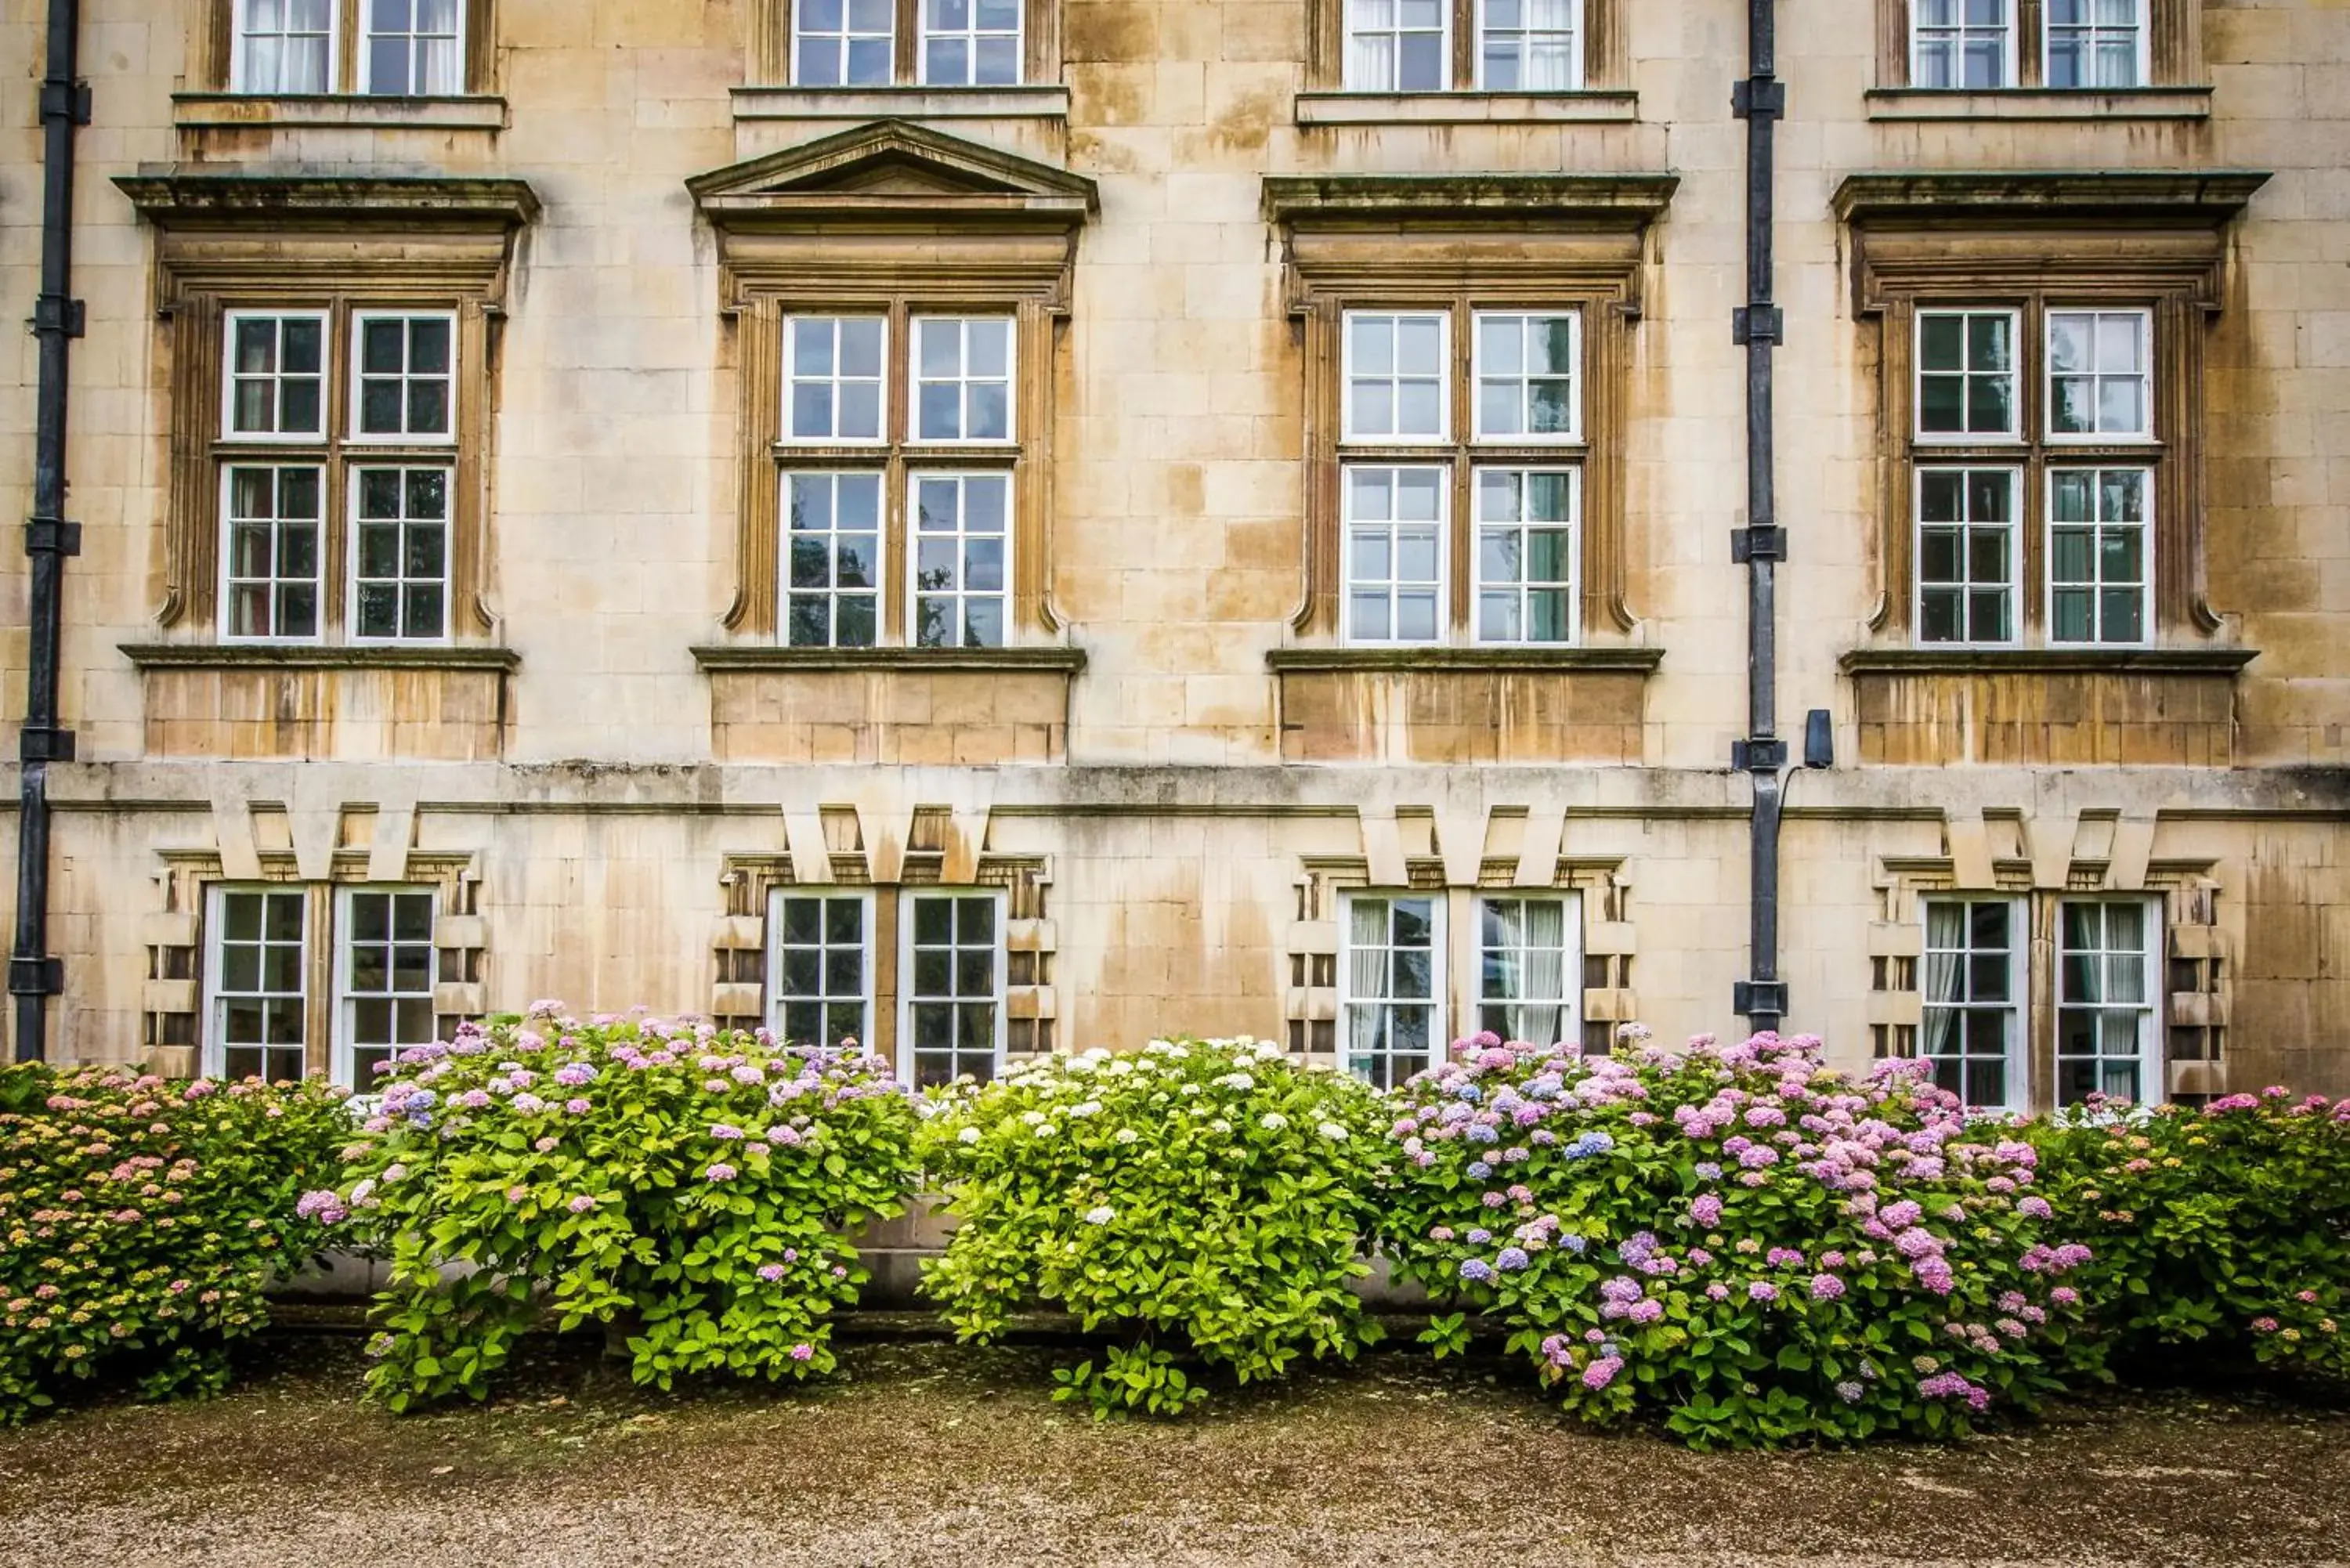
point(1761, 755)
point(36, 977)
point(37, 744)
point(1758, 98)
point(1765, 542)
point(1757, 323)
point(55, 312)
point(48, 537)
point(65, 100)
point(1759, 999)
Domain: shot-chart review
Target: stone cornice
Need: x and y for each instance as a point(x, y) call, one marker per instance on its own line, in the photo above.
point(280, 656)
point(892, 170)
point(2222, 663)
point(1614, 199)
point(178, 193)
point(2186, 196)
point(1483, 661)
point(767, 658)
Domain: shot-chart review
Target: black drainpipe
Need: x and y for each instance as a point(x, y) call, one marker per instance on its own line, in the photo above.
point(1761, 101)
point(32, 975)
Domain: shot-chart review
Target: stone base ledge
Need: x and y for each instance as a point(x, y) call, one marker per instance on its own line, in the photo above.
point(1600, 108)
point(243, 702)
point(1463, 705)
point(2153, 707)
point(2065, 104)
point(944, 706)
point(367, 111)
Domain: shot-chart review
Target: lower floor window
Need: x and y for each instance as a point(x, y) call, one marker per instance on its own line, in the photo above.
point(384, 967)
point(2104, 1001)
point(1393, 987)
point(1971, 1025)
point(1529, 976)
point(820, 990)
point(953, 985)
point(2097, 568)
point(258, 1010)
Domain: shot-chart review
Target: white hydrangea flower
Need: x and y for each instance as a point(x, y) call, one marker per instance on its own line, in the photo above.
point(1119, 1069)
point(1095, 1053)
point(1240, 1083)
point(1124, 1135)
point(1332, 1131)
point(1032, 1118)
point(1273, 1121)
point(1219, 1125)
point(1101, 1216)
point(968, 1135)
point(1090, 1108)
point(1047, 1130)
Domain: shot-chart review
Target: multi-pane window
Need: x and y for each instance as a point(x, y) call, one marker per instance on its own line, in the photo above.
point(256, 983)
point(1392, 986)
point(2104, 1001)
point(1530, 976)
point(404, 49)
point(314, 516)
point(1963, 44)
point(856, 465)
point(2035, 462)
point(2095, 44)
point(383, 976)
point(1972, 1029)
point(1966, 555)
point(820, 967)
point(951, 979)
point(2099, 587)
point(844, 43)
point(926, 42)
point(1515, 46)
point(1453, 535)
point(1530, 46)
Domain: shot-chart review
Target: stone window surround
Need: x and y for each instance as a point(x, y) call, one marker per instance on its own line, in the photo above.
point(212, 60)
point(234, 240)
point(2152, 240)
point(2174, 56)
point(769, 50)
point(1435, 242)
point(1606, 57)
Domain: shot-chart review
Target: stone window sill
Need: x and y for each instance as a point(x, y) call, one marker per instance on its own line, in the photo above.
point(1600, 108)
point(2219, 662)
point(276, 656)
point(768, 658)
point(2073, 104)
point(215, 111)
point(1497, 660)
point(1046, 102)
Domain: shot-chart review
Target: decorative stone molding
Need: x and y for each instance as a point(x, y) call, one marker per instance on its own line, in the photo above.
point(1926, 707)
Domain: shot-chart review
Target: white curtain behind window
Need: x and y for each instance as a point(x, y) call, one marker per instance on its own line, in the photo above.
point(1946, 928)
point(1367, 975)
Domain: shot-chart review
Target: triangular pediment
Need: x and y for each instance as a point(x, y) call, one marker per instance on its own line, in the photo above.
point(891, 166)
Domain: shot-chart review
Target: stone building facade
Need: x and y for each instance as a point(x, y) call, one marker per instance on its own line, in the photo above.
point(998, 526)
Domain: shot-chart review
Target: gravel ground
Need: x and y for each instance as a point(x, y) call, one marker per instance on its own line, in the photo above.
point(923, 1454)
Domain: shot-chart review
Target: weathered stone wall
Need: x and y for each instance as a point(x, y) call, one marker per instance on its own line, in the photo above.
point(1174, 796)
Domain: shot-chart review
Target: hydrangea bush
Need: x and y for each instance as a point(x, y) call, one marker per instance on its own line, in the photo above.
point(139, 1221)
point(700, 1189)
point(2227, 1227)
point(1761, 1250)
point(1205, 1200)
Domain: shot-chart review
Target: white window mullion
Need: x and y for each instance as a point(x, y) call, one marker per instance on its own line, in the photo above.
point(1967, 562)
point(272, 517)
point(1528, 548)
point(2100, 555)
point(400, 554)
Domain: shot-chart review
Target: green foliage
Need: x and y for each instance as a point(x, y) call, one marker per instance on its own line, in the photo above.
point(1756, 1248)
point(701, 1190)
point(2228, 1228)
point(139, 1221)
point(1207, 1200)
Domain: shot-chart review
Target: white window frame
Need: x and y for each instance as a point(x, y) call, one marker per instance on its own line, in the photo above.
point(2016, 1008)
point(2009, 60)
point(213, 1052)
point(353, 474)
point(346, 1044)
point(365, 65)
point(1524, 380)
point(1570, 1001)
point(2142, 63)
point(228, 580)
point(2015, 527)
point(841, 40)
point(1349, 31)
point(1393, 583)
point(961, 594)
point(908, 902)
point(2153, 1088)
point(923, 33)
point(354, 435)
point(2095, 585)
point(1577, 47)
point(230, 379)
point(794, 380)
point(834, 594)
point(1525, 586)
point(962, 379)
point(2144, 376)
point(240, 71)
point(2014, 434)
point(1439, 1001)
point(1442, 435)
point(869, 995)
